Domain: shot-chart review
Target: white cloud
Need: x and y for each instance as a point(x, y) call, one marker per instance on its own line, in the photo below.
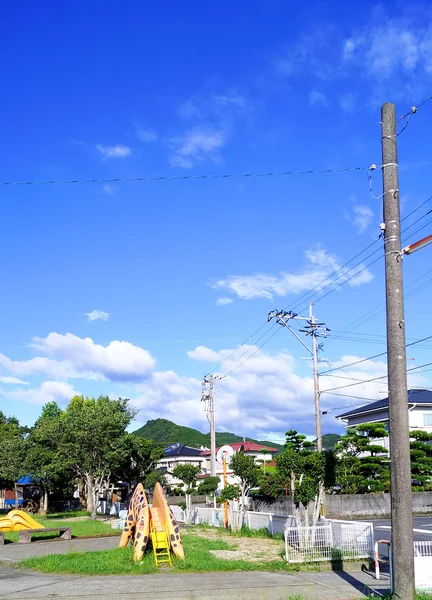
point(12, 380)
point(264, 394)
point(317, 99)
point(223, 301)
point(230, 100)
point(362, 217)
point(71, 357)
point(320, 265)
point(388, 47)
point(109, 189)
point(204, 354)
point(347, 102)
point(145, 135)
point(208, 107)
point(197, 145)
point(118, 151)
point(49, 391)
point(96, 315)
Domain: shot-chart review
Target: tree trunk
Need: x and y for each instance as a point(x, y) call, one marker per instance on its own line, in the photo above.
point(16, 496)
point(91, 497)
point(43, 508)
point(188, 509)
point(82, 493)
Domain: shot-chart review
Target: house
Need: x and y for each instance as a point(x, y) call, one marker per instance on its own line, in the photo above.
point(419, 411)
point(179, 454)
point(263, 455)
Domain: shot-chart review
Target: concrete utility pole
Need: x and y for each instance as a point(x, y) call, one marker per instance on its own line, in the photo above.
point(208, 398)
point(312, 329)
point(318, 426)
point(400, 460)
point(212, 429)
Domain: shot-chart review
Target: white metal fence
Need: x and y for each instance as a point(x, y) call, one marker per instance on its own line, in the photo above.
point(330, 540)
point(254, 520)
point(423, 548)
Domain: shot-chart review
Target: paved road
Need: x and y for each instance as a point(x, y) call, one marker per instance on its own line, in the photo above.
point(422, 527)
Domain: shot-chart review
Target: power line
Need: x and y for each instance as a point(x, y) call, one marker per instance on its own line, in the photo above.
point(250, 356)
point(318, 285)
point(182, 177)
point(374, 378)
point(307, 296)
point(357, 362)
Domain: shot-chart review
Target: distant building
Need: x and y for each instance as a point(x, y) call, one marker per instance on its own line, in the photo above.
point(179, 454)
point(419, 411)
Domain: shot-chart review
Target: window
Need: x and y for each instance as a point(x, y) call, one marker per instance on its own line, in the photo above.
point(427, 419)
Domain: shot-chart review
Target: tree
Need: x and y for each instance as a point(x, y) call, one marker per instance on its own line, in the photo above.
point(209, 486)
point(245, 469)
point(154, 477)
point(274, 484)
point(421, 460)
point(230, 494)
point(140, 457)
point(94, 441)
point(42, 460)
point(12, 452)
point(363, 464)
point(187, 474)
point(306, 471)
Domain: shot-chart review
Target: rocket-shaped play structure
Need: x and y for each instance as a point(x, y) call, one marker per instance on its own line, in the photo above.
point(156, 523)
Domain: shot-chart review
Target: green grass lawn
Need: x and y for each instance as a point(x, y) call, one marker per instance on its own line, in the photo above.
point(120, 562)
point(82, 528)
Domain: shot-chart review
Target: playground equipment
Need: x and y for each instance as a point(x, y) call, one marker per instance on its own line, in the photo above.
point(157, 523)
point(18, 520)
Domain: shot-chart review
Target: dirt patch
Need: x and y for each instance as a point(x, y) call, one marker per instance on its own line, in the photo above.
point(250, 549)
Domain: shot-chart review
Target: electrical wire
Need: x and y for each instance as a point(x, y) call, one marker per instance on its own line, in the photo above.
point(374, 378)
point(246, 351)
point(182, 177)
point(250, 356)
point(357, 362)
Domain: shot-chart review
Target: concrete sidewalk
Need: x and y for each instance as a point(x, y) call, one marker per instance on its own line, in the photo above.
point(19, 584)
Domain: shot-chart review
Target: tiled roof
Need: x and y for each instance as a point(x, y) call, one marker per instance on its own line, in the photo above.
point(414, 397)
point(182, 450)
point(247, 447)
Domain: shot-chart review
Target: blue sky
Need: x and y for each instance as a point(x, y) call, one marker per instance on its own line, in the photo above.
point(181, 272)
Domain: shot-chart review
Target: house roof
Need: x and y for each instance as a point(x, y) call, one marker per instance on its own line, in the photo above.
point(247, 446)
point(414, 397)
point(182, 450)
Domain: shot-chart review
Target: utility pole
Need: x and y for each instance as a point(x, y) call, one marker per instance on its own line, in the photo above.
point(400, 460)
point(314, 330)
point(208, 398)
point(318, 427)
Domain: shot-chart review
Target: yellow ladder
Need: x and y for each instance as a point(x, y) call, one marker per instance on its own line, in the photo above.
point(160, 542)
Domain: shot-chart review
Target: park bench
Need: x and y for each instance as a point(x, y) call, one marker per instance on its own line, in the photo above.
point(25, 535)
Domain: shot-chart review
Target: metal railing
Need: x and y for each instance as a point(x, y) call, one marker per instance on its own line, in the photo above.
point(329, 540)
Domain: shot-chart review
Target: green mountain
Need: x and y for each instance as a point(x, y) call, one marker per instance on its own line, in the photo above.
point(330, 440)
point(165, 432)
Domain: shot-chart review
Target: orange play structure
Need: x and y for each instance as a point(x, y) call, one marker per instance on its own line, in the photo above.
point(17, 520)
point(156, 523)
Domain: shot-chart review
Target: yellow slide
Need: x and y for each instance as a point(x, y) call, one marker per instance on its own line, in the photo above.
point(17, 520)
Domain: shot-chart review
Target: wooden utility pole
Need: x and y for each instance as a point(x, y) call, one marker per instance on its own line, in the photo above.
point(400, 460)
